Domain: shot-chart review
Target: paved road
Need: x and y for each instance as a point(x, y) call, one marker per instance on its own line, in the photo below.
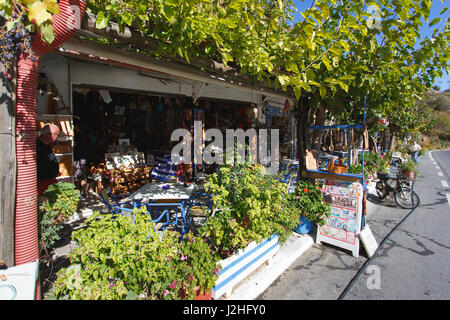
point(413, 263)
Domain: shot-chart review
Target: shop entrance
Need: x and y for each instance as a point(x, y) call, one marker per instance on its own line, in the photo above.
point(125, 136)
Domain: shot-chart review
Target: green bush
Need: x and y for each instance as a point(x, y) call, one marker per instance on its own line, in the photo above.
point(62, 198)
point(357, 169)
point(59, 203)
point(308, 199)
point(248, 206)
point(125, 258)
point(373, 162)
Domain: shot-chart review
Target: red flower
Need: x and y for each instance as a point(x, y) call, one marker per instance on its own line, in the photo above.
point(305, 190)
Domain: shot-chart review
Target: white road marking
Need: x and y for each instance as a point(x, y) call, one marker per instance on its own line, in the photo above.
point(440, 174)
point(444, 183)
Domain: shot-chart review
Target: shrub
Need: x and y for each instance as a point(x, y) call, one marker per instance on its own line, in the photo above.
point(62, 198)
point(374, 163)
point(59, 203)
point(308, 199)
point(125, 258)
point(248, 206)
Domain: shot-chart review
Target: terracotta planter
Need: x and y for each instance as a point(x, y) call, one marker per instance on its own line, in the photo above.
point(199, 295)
point(205, 295)
point(409, 174)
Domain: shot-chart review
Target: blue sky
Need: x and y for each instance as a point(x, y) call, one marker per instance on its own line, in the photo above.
point(425, 30)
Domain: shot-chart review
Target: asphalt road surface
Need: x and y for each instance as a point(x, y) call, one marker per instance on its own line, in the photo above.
point(412, 263)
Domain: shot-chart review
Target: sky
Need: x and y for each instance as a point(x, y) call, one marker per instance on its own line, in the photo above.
point(444, 82)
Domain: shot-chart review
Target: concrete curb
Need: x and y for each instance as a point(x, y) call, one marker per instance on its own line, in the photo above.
point(264, 276)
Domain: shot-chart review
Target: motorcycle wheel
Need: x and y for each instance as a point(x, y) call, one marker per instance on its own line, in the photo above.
point(406, 198)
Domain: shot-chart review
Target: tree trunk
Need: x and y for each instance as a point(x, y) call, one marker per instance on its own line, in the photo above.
point(303, 135)
point(7, 166)
point(392, 140)
point(317, 134)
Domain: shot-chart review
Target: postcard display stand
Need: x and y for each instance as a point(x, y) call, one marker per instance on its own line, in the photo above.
point(344, 224)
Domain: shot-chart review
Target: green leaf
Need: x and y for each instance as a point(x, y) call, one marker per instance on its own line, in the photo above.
point(102, 20)
point(47, 32)
point(345, 45)
point(52, 6)
point(323, 92)
point(326, 62)
point(127, 18)
point(434, 21)
point(347, 77)
point(297, 92)
point(37, 13)
point(170, 13)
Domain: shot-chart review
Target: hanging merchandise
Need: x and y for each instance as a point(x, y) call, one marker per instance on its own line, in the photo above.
point(287, 106)
point(160, 106)
point(105, 96)
point(188, 114)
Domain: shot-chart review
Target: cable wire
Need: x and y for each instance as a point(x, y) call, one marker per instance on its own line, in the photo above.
point(363, 268)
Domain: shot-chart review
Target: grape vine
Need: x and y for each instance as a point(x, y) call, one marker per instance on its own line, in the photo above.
point(15, 41)
point(21, 19)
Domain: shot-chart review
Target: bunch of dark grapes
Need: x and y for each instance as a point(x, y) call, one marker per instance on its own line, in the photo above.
point(14, 42)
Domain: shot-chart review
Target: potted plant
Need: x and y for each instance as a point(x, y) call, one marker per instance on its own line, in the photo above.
point(125, 258)
point(409, 168)
point(251, 218)
point(308, 199)
point(249, 206)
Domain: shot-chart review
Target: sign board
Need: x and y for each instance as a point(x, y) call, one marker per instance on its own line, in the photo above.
point(344, 224)
point(20, 282)
point(368, 241)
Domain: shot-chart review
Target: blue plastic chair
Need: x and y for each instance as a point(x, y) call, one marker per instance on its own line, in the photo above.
point(113, 204)
point(127, 207)
point(163, 210)
point(197, 199)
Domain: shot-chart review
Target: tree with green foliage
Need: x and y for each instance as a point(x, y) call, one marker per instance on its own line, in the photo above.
point(338, 53)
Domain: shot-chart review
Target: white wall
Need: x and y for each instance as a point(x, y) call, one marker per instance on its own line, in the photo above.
point(116, 77)
point(57, 71)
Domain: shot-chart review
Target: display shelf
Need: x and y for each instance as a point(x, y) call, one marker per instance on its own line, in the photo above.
point(351, 177)
point(64, 138)
point(63, 154)
point(63, 177)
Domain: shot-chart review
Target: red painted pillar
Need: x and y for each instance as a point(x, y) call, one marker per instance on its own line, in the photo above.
point(26, 232)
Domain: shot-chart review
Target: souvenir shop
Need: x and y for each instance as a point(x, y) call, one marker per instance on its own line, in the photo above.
point(121, 120)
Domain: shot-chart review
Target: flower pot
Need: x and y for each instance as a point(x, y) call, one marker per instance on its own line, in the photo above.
point(305, 226)
point(205, 295)
point(408, 174)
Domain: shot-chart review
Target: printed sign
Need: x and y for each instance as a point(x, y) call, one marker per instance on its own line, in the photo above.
point(344, 224)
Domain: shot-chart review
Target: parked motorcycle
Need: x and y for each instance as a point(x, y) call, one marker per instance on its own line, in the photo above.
point(395, 182)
